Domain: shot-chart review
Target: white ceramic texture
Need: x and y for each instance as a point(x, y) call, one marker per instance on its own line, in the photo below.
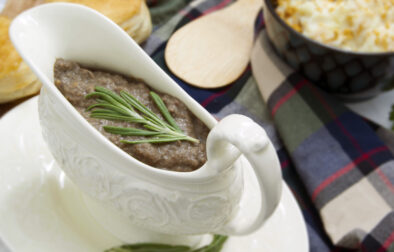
point(42, 211)
point(206, 200)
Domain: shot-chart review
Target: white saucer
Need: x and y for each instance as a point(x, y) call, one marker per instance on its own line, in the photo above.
point(41, 210)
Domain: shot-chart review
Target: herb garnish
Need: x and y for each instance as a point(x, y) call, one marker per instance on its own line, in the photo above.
point(215, 246)
point(124, 107)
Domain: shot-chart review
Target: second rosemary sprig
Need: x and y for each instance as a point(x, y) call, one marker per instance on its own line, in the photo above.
point(125, 107)
point(216, 245)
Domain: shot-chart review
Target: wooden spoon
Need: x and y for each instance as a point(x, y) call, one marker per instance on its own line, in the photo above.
point(214, 50)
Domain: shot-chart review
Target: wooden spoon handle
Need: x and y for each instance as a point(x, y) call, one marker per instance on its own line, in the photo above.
point(251, 4)
point(244, 11)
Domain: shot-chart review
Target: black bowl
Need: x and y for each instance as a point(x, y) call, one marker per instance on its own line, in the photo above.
point(347, 74)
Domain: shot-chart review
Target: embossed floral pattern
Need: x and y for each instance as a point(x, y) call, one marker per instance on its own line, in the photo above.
point(155, 207)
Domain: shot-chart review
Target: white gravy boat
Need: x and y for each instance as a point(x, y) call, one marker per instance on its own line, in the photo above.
point(203, 201)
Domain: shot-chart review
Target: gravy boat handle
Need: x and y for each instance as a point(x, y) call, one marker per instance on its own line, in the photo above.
point(238, 133)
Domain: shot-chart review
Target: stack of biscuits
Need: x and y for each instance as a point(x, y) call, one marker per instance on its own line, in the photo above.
point(17, 80)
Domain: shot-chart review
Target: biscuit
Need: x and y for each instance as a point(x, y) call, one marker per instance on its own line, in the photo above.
point(132, 15)
point(17, 80)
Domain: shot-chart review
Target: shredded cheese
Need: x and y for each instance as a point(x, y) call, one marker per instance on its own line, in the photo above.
point(356, 25)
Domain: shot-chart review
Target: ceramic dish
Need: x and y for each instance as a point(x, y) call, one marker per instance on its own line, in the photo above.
point(351, 75)
point(209, 199)
point(42, 211)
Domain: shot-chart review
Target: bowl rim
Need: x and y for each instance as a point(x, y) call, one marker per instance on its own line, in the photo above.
point(269, 5)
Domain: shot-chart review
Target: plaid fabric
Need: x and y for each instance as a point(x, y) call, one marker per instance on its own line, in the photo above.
point(346, 169)
point(337, 167)
point(162, 10)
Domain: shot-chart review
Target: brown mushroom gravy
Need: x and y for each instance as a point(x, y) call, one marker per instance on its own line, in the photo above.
point(75, 82)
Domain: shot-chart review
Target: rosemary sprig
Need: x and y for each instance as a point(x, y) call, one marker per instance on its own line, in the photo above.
point(125, 107)
point(215, 246)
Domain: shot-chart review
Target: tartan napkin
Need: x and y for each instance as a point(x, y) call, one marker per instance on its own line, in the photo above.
point(346, 168)
point(335, 162)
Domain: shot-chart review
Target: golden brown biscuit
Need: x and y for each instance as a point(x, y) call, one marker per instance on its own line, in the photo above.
point(132, 15)
point(16, 79)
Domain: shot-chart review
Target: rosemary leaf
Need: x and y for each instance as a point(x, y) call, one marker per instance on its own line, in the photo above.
point(116, 97)
point(97, 105)
point(129, 131)
point(153, 127)
point(106, 111)
point(163, 109)
point(110, 107)
point(114, 117)
point(103, 96)
point(150, 247)
point(157, 121)
point(125, 107)
point(137, 104)
point(215, 246)
point(142, 108)
point(154, 140)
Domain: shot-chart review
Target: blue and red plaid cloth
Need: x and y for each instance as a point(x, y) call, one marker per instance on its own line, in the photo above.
point(338, 165)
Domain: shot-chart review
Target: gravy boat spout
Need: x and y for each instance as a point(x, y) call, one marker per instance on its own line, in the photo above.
point(208, 199)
